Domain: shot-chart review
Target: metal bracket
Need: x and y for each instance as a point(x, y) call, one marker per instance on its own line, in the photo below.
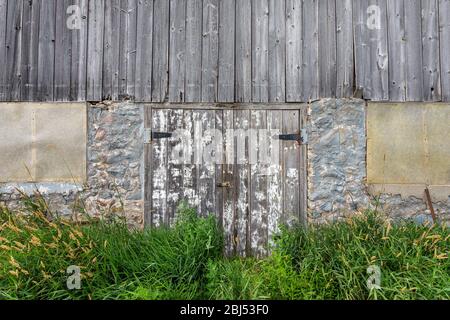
point(301, 138)
point(150, 135)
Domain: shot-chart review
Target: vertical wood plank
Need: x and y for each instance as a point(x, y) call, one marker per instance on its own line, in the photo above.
point(277, 50)
point(26, 40)
point(378, 90)
point(3, 60)
point(206, 170)
point(360, 32)
point(431, 58)
point(258, 183)
point(95, 50)
point(275, 178)
point(243, 51)
point(174, 166)
point(123, 48)
point(111, 50)
point(190, 169)
point(310, 50)
point(194, 23)
point(396, 43)
point(291, 161)
point(177, 49)
point(78, 71)
point(344, 38)
point(14, 49)
point(413, 57)
point(229, 221)
point(260, 50)
point(242, 183)
point(210, 50)
point(159, 169)
point(46, 65)
point(226, 50)
point(294, 45)
point(63, 52)
point(303, 170)
point(148, 169)
point(131, 47)
point(218, 149)
point(327, 45)
point(144, 51)
point(160, 50)
point(444, 27)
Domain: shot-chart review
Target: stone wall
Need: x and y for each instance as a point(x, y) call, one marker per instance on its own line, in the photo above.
point(336, 158)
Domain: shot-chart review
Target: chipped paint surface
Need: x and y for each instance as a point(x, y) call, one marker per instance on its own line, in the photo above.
point(231, 177)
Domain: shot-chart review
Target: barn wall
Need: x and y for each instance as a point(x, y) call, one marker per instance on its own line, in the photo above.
point(224, 50)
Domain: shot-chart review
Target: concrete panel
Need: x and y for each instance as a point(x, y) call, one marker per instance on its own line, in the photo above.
point(43, 142)
point(15, 142)
point(408, 143)
point(60, 142)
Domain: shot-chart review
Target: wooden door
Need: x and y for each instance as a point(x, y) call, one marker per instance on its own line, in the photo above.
point(245, 166)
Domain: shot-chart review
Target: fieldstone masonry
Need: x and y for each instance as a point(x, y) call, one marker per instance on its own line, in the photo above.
point(336, 158)
point(336, 164)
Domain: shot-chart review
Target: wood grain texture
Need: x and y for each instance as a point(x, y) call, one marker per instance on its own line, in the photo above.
point(243, 85)
point(430, 43)
point(344, 49)
point(95, 50)
point(46, 64)
point(377, 67)
point(4, 88)
point(63, 50)
point(232, 165)
point(194, 23)
point(396, 47)
point(177, 49)
point(294, 49)
point(444, 27)
point(413, 50)
point(260, 50)
point(328, 50)
point(277, 50)
point(79, 54)
point(144, 51)
point(14, 34)
point(224, 50)
point(310, 50)
point(227, 23)
point(160, 68)
point(210, 50)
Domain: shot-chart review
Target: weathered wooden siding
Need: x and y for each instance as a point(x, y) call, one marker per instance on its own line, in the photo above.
point(224, 50)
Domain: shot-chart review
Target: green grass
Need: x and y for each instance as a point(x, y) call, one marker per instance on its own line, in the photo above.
point(187, 262)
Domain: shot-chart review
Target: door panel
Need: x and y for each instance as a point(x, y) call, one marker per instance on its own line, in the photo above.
point(234, 166)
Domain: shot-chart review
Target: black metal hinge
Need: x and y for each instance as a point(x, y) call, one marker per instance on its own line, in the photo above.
point(301, 138)
point(153, 135)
